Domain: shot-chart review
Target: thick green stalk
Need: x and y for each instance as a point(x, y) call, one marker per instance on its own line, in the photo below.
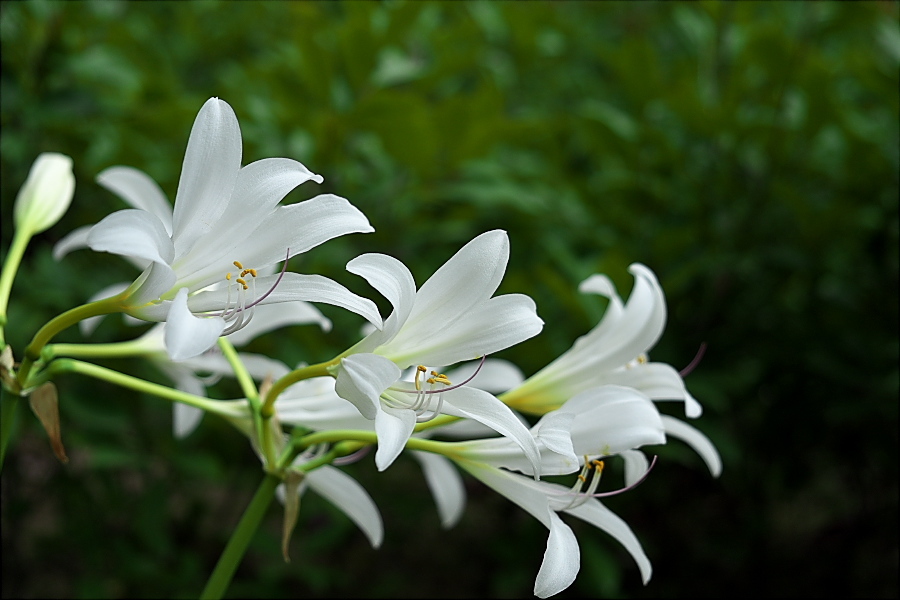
point(318, 370)
point(229, 409)
point(240, 539)
point(10, 266)
point(63, 321)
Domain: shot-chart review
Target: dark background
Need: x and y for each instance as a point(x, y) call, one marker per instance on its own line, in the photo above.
point(746, 152)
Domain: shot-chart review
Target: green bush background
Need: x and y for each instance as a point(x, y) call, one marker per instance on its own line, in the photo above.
point(746, 152)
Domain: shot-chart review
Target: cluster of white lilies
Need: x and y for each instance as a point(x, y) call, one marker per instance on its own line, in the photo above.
point(422, 381)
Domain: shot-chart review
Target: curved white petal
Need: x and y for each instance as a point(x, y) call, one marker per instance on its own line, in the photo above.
point(497, 324)
point(470, 277)
point(75, 239)
point(259, 187)
point(446, 486)
point(362, 379)
point(139, 190)
point(348, 495)
point(658, 381)
point(393, 281)
point(694, 438)
point(636, 465)
point(135, 233)
point(393, 426)
point(186, 335)
point(611, 419)
point(601, 517)
point(211, 164)
point(483, 407)
point(156, 280)
point(185, 419)
point(562, 560)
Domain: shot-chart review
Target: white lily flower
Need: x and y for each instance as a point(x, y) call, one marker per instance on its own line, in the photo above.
point(202, 259)
point(451, 318)
point(544, 500)
point(614, 352)
point(46, 194)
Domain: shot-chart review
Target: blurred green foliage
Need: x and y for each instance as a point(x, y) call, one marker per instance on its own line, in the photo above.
point(746, 152)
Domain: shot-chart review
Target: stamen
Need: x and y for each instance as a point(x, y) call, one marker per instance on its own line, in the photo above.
point(591, 492)
point(228, 276)
point(693, 364)
point(352, 458)
point(238, 264)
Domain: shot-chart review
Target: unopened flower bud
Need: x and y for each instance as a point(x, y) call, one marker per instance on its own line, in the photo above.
point(46, 194)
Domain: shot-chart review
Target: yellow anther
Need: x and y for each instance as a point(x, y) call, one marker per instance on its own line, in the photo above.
point(582, 478)
point(641, 359)
point(598, 466)
point(228, 276)
point(252, 272)
point(434, 373)
point(242, 282)
point(423, 369)
point(238, 264)
point(244, 272)
point(430, 380)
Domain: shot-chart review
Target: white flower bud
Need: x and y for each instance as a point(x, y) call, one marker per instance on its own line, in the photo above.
point(46, 194)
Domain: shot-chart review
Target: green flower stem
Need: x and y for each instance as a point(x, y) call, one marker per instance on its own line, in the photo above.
point(8, 405)
point(232, 410)
point(436, 422)
point(63, 321)
point(317, 370)
point(359, 435)
point(10, 266)
point(136, 347)
point(240, 539)
point(240, 371)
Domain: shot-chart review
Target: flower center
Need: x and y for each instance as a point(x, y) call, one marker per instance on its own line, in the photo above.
point(422, 402)
point(239, 310)
point(590, 477)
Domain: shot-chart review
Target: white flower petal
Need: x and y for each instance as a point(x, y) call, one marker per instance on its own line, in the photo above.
point(394, 426)
point(135, 233)
point(362, 379)
point(696, 440)
point(601, 517)
point(470, 277)
point(658, 381)
point(393, 281)
point(186, 335)
point(185, 419)
point(211, 164)
point(139, 190)
point(75, 239)
point(611, 419)
point(562, 560)
point(156, 280)
point(636, 465)
point(483, 407)
point(497, 324)
point(446, 487)
point(348, 495)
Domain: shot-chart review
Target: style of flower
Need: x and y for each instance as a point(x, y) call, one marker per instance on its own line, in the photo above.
point(451, 318)
point(203, 260)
